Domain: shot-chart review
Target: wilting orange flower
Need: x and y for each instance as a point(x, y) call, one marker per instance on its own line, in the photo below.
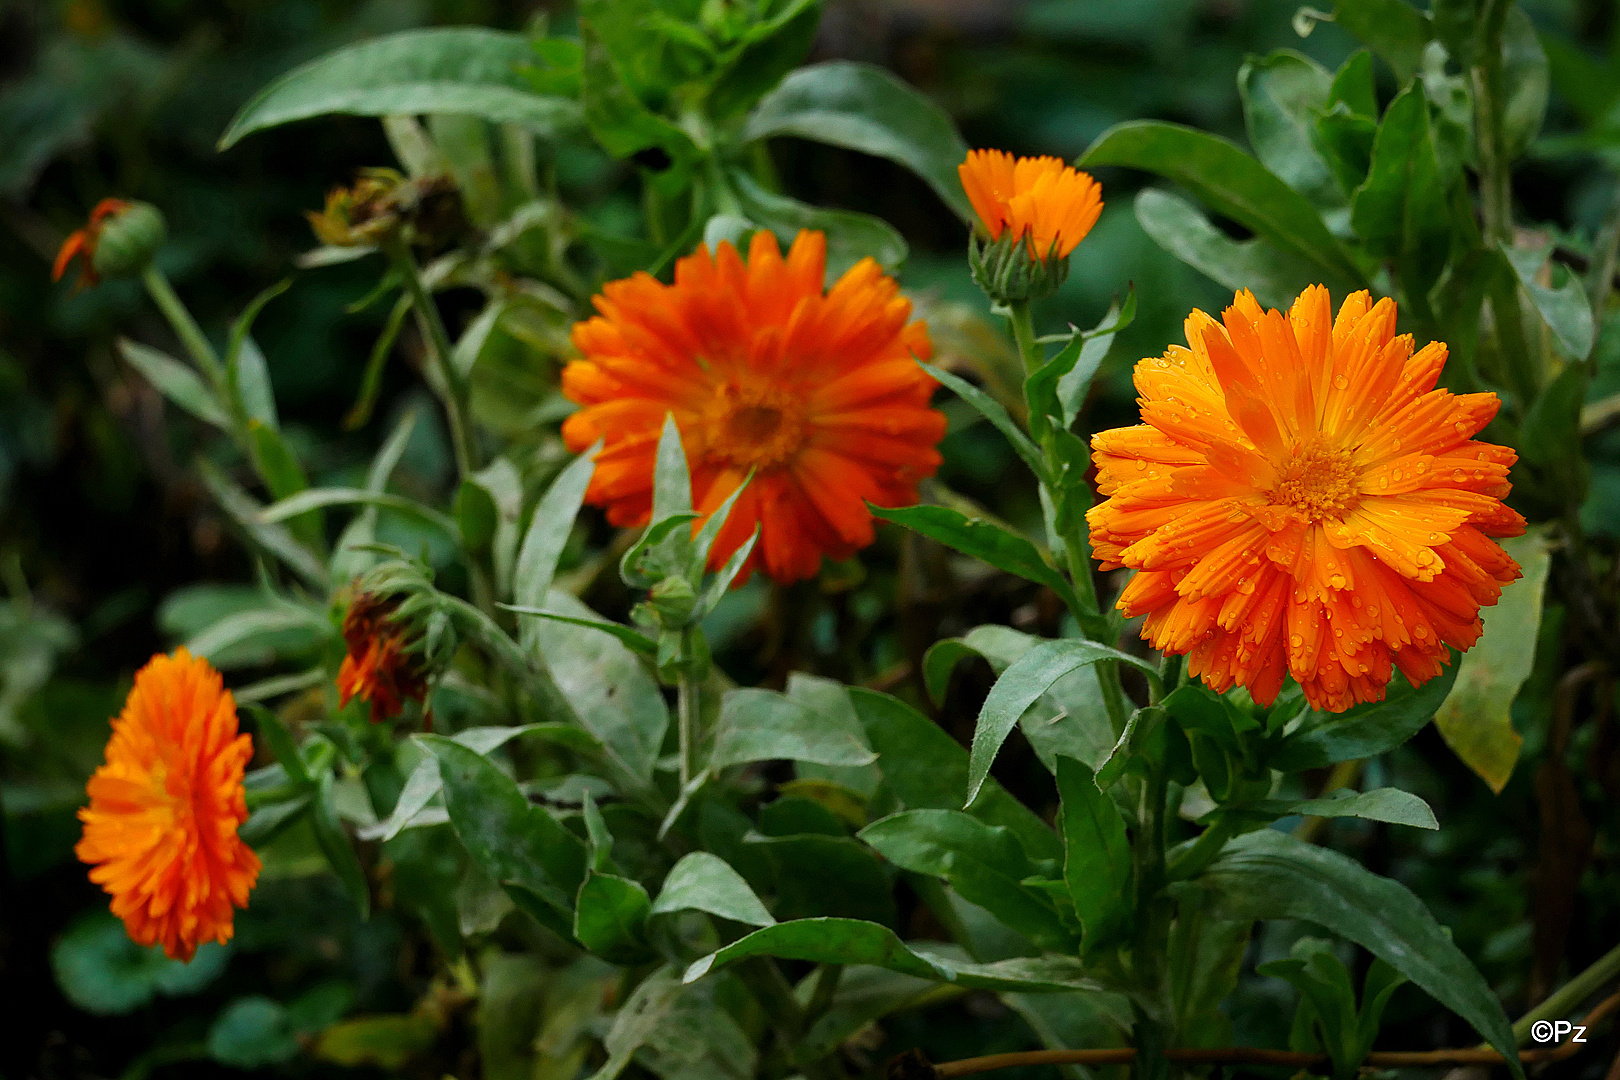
point(817, 394)
point(160, 830)
point(1302, 500)
point(82, 242)
point(380, 667)
point(1040, 196)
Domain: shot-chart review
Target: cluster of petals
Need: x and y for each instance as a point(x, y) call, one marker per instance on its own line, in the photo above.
point(379, 668)
point(812, 392)
point(1052, 204)
point(161, 827)
point(1301, 500)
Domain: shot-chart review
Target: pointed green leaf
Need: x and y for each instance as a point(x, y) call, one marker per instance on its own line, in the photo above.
point(705, 882)
point(1097, 863)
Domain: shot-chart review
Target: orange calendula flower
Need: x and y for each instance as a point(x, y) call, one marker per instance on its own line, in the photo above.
point(380, 668)
point(816, 393)
point(1052, 204)
point(81, 243)
point(1302, 500)
point(161, 827)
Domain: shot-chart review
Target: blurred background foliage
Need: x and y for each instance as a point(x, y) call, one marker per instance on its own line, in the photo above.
point(110, 548)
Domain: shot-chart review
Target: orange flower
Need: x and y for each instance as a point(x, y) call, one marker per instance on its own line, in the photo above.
point(160, 830)
point(1302, 500)
point(380, 667)
point(82, 242)
point(817, 394)
point(1054, 205)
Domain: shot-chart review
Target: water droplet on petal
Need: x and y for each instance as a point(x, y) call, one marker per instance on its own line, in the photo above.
point(1457, 475)
point(1296, 641)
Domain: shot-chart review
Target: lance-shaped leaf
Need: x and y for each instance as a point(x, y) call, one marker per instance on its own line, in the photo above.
point(175, 381)
point(1282, 94)
point(1325, 738)
point(924, 767)
point(1271, 875)
point(705, 882)
point(458, 70)
point(1273, 274)
point(1030, 676)
point(1475, 718)
point(763, 725)
point(865, 108)
point(982, 540)
point(985, 864)
point(851, 236)
point(516, 843)
point(993, 411)
point(1391, 805)
point(1097, 862)
point(548, 533)
point(1230, 182)
point(1400, 211)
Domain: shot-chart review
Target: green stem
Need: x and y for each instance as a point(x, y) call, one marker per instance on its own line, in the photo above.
point(821, 997)
point(1568, 997)
point(1076, 547)
point(448, 382)
point(1496, 200)
point(191, 335)
point(774, 993)
point(1190, 859)
point(687, 703)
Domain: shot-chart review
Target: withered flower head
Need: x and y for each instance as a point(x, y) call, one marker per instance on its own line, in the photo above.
point(384, 667)
point(382, 202)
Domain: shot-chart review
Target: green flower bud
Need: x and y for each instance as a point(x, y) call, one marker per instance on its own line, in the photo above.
point(674, 601)
point(1009, 269)
point(128, 240)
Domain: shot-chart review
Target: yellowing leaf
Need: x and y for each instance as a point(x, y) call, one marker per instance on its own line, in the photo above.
point(1474, 718)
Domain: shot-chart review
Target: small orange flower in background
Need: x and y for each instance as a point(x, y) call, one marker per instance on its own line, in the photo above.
point(1302, 500)
point(380, 667)
point(817, 393)
point(1039, 197)
point(161, 827)
point(81, 243)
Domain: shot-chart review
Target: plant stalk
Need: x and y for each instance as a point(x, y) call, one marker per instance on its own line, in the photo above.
point(451, 386)
point(1496, 199)
point(687, 703)
point(1567, 998)
point(190, 334)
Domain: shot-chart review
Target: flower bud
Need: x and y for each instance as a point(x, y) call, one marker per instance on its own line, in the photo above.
point(1008, 268)
point(129, 240)
point(673, 600)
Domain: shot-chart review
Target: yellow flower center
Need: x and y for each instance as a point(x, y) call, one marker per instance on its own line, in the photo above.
point(1319, 482)
point(755, 427)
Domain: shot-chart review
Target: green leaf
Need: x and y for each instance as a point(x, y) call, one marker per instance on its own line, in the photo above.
point(103, 972)
point(175, 381)
point(672, 482)
point(1325, 738)
point(705, 882)
point(1382, 804)
point(985, 864)
point(816, 876)
point(274, 734)
point(1394, 29)
point(1231, 183)
point(981, 540)
point(246, 372)
point(549, 528)
point(1070, 718)
point(1475, 718)
point(850, 941)
point(993, 411)
point(633, 638)
point(1400, 212)
point(1274, 275)
point(335, 845)
point(316, 498)
point(284, 476)
point(642, 1014)
point(1059, 388)
point(774, 46)
point(861, 107)
point(851, 236)
point(923, 767)
point(518, 844)
point(611, 692)
point(347, 561)
point(1353, 84)
point(1021, 685)
point(610, 918)
point(763, 725)
point(385, 1042)
point(1282, 95)
point(252, 1032)
point(259, 635)
point(619, 120)
point(1271, 875)
point(460, 70)
point(1097, 863)
point(1562, 305)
